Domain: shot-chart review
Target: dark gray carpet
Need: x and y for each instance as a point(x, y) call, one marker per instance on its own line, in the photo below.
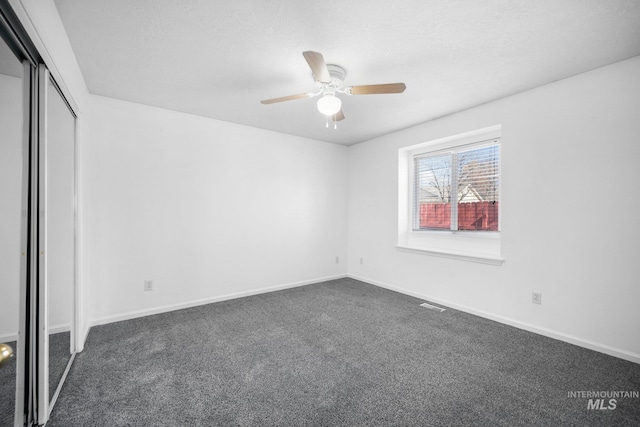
point(8, 389)
point(335, 353)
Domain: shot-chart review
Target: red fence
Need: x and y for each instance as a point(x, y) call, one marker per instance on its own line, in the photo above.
point(471, 216)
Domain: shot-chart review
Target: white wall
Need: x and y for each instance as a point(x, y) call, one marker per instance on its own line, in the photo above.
point(11, 109)
point(206, 209)
point(574, 145)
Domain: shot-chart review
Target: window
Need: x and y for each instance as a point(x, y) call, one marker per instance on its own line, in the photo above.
point(449, 197)
point(458, 189)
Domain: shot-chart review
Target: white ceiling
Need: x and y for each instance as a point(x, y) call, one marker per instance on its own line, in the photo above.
point(220, 58)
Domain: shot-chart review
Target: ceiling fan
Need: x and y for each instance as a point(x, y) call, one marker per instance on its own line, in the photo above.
point(330, 80)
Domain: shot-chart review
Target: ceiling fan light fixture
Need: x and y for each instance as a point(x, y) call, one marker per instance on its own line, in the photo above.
point(329, 104)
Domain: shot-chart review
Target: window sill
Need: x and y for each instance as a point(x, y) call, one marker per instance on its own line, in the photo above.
point(484, 259)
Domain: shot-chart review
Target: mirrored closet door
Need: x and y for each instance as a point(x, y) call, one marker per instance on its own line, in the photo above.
point(60, 235)
point(38, 260)
point(14, 102)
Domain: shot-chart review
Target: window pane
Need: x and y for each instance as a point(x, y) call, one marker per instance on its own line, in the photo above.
point(478, 189)
point(433, 192)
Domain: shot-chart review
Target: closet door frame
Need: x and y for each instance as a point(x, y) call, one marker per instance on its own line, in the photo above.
point(32, 405)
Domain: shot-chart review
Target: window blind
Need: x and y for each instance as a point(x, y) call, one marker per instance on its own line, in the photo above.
point(458, 189)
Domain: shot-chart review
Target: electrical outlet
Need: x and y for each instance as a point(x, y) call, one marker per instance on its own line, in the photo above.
point(148, 285)
point(361, 260)
point(536, 297)
point(337, 260)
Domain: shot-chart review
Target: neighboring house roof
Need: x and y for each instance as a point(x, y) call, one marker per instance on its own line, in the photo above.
point(428, 196)
point(468, 194)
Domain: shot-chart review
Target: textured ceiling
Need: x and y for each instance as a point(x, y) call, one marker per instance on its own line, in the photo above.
point(220, 58)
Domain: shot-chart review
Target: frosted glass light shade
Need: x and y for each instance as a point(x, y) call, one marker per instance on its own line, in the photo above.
point(329, 104)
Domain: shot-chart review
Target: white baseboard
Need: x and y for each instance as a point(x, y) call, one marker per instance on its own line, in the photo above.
point(164, 309)
point(602, 348)
point(52, 330)
point(10, 337)
point(59, 328)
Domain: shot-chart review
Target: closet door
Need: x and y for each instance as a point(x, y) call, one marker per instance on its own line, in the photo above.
point(56, 238)
point(37, 230)
point(61, 235)
point(15, 90)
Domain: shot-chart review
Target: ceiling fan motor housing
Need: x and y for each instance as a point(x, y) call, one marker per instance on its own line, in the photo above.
point(337, 74)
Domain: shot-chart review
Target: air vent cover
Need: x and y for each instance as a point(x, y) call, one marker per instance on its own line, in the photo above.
point(432, 307)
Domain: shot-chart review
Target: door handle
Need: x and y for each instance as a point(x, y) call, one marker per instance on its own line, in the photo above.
point(6, 353)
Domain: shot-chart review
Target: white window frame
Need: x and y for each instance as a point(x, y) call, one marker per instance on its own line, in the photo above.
point(466, 245)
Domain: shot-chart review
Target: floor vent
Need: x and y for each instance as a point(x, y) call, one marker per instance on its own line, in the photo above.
point(432, 307)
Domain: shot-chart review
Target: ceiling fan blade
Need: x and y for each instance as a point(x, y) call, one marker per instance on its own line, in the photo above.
point(375, 89)
point(285, 98)
point(317, 65)
point(338, 116)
